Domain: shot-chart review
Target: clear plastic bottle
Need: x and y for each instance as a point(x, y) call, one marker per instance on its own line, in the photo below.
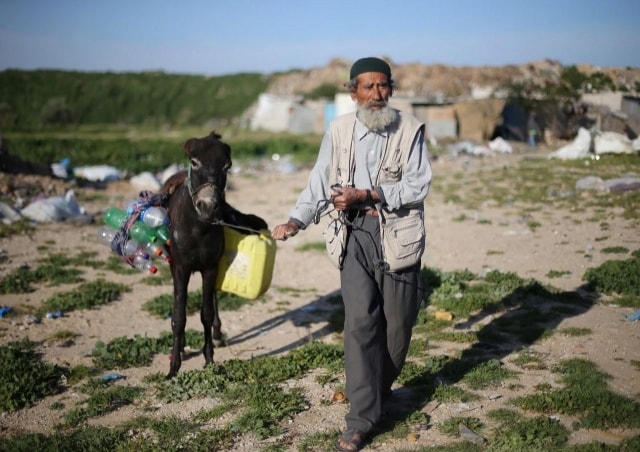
point(155, 216)
point(143, 263)
point(131, 247)
point(156, 250)
point(106, 235)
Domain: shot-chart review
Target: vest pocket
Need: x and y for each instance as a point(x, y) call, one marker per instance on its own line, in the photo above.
point(403, 239)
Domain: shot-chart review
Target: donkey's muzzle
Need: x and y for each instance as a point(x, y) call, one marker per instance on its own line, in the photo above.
point(206, 201)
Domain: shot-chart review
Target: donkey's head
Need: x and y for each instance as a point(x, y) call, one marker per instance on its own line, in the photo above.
point(209, 162)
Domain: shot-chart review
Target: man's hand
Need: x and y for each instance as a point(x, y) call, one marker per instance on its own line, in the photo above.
point(284, 231)
point(345, 197)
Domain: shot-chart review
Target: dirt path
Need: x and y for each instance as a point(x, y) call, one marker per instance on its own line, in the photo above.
point(492, 238)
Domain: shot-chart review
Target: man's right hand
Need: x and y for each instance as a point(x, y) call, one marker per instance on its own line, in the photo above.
point(284, 231)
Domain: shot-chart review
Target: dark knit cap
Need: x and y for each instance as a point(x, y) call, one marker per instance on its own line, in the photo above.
point(369, 64)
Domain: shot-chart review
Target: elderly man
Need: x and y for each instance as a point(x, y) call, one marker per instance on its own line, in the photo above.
point(373, 166)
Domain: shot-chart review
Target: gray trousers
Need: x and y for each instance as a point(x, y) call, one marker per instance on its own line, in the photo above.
point(380, 311)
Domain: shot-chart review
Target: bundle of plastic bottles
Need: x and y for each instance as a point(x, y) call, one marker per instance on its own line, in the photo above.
point(139, 233)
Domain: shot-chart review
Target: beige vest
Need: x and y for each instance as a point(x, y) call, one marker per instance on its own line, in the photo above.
point(403, 233)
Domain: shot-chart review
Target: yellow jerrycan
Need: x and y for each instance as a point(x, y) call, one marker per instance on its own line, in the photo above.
point(246, 266)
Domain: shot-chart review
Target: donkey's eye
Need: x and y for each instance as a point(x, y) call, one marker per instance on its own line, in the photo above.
point(195, 163)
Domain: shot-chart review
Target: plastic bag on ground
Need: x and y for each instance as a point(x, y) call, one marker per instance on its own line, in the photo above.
point(56, 208)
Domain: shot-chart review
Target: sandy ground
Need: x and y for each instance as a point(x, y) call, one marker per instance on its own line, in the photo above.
point(285, 318)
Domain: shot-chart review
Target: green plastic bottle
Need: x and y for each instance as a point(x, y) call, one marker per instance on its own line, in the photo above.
point(163, 234)
point(141, 233)
point(114, 217)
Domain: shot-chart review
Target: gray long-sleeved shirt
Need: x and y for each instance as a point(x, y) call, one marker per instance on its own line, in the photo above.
point(411, 189)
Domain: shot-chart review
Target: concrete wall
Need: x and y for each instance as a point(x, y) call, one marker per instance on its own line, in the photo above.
point(613, 100)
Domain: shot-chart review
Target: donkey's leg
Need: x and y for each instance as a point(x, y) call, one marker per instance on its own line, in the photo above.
point(178, 319)
point(209, 313)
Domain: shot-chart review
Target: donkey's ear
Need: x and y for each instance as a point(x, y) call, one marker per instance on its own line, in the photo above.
point(215, 135)
point(186, 146)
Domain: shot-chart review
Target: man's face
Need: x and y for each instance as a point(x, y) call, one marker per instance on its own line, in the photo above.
point(373, 88)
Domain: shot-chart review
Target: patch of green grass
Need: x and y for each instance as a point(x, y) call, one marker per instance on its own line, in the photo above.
point(615, 250)
point(451, 426)
point(529, 361)
point(535, 434)
point(533, 225)
point(418, 346)
point(217, 378)
point(557, 273)
point(86, 438)
point(585, 395)
point(62, 335)
point(103, 399)
point(24, 377)
point(452, 393)
point(20, 280)
point(455, 336)
point(162, 305)
point(20, 227)
point(312, 246)
point(86, 296)
point(123, 352)
point(487, 374)
point(264, 406)
point(575, 331)
point(615, 277)
point(635, 363)
point(318, 441)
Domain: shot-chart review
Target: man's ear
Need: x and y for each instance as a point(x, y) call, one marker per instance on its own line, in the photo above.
point(353, 95)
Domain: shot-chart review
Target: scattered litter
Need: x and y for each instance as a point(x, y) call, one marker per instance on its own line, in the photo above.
point(30, 320)
point(623, 183)
point(578, 148)
point(7, 214)
point(5, 310)
point(55, 315)
point(468, 147)
point(591, 183)
point(500, 145)
point(444, 315)
point(494, 396)
point(339, 397)
point(413, 437)
point(55, 208)
point(612, 143)
point(104, 173)
point(170, 171)
point(634, 317)
point(470, 435)
point(462, 407)
point(145, 181)
point(617, 184)
point(603, 143)
point(111, 376)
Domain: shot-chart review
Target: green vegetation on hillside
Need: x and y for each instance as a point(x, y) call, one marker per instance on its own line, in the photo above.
point(31, 100)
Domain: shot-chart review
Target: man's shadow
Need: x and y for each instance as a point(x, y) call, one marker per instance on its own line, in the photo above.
point(327, 308)
point(520, 318)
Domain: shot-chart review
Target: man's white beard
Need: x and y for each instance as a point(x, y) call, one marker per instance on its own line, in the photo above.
point(378, 119)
